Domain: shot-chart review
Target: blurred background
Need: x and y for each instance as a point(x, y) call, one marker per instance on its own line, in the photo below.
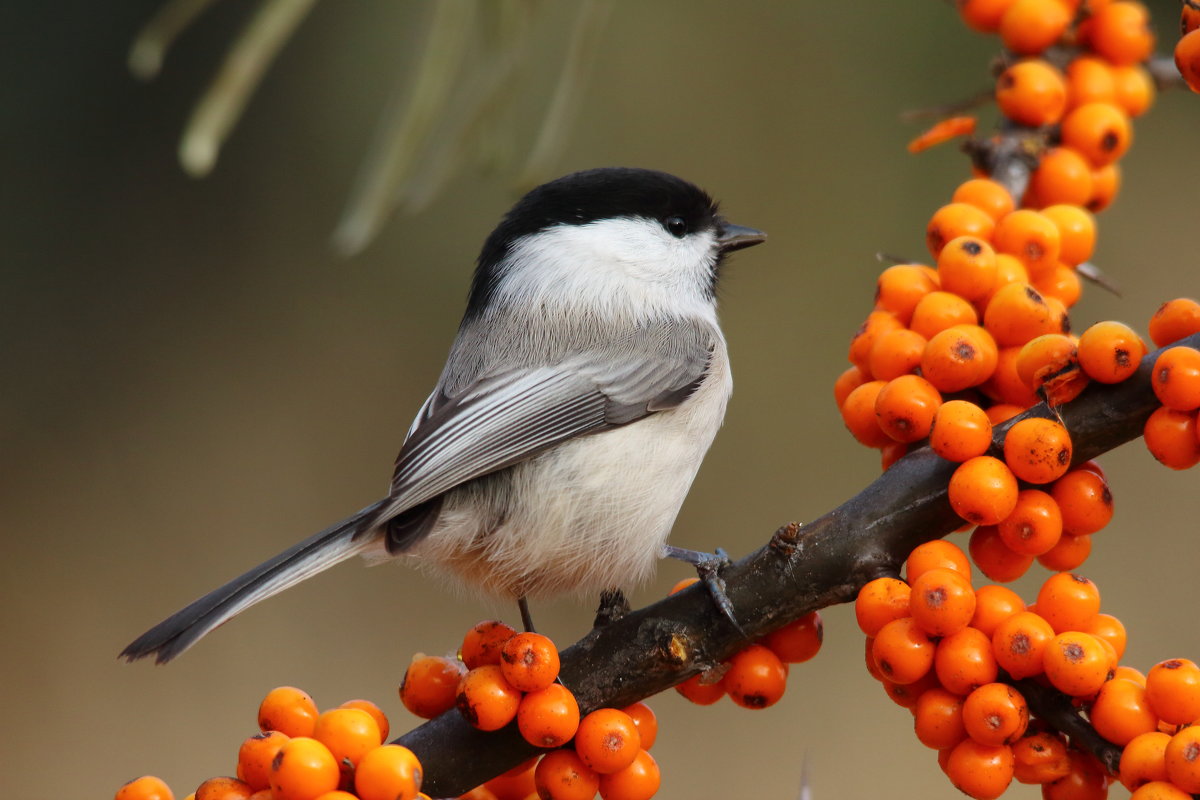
point(195, 379)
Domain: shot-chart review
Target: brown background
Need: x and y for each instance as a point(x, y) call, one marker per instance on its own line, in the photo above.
point(193, 381)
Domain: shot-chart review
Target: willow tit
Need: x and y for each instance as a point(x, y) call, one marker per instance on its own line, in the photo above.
point(587, 380)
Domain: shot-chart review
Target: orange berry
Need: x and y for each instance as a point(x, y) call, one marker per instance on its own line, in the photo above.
point(1110, 352)
point(1100, 132)
point(1176, 378)
point(993, 605)
point(647, 722)
point(1061, 283)
point(967, 267)
point(954, 220)
point(958, 358)
point(375, 711)
point(906, 695)
point(562, 775)
point(1076, 229)
point(1106, 182)
point(1160, 790)
point(875, 325)
point(1183, 758)
point(638, 781)
point(1174, 320)
point(937, 719)
point(1076, 663)
point(1068, 601)
point(983, 490)
point(529, 662)
point(935, 554)
point(960, 430)
point(1173, 689)
point(1090, 80)
point(430, 685)
point(879, 602)
point(979, 770)
point(1084, 500)
point(1068, 554)
point(1040, 758)
point(485, 699)
point(1121, 712)
point(983, 15)
point(1051, 361)
point(1035, 524)
point(483, 643)
point(607, 740)
point(1030, 26)
point(938, 311)
point(548, 717)
point(986, 195)
point(1018, 313)
point(1144, 760)
point(390, 772)
point(336, 794)
point(903, 652)
point(847, 382)
point(1009, 269)
point(288, 710)
point(900, 287)
point(1120, 33)
point(858, 414)
point(348, 733)
point(302, 769)
point(1031, 92)
point(1085, 780)
point(756, 677)
point(223, 788)
point(1062, 176)
point(995, 559)
point(964, 661)
point(892, 452)
point(905, 406)
point(146, 787)
point(255, 757)
point(516, 784)
point(1005, 385)
point(1172, 438)
point(1031, 237)
point(700, 692)
point(1189, 17)
point(995, 714)
point(798, 641)
point(942, 602)
point(1020, 643)
point(1134, 89)
point(1038, 450)
point(869, 659)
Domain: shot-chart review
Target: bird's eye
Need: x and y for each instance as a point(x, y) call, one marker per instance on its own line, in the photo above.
point(676, 225)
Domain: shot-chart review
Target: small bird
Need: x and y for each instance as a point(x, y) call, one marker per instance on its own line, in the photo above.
point(587, 380)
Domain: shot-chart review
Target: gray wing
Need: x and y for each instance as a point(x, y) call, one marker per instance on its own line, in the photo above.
point(501, 420)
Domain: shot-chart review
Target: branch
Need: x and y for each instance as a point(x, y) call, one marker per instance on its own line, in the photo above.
point(1055, 709)
point(800, 570)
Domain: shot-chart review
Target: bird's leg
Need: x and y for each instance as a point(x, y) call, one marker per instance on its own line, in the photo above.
point(708, 568)
point(613, 606)
point(526, 618)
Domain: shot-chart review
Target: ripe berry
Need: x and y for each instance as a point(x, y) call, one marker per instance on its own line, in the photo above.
point(1120, 32)
point(529, 662)
point(1031, 92)
point(1144, 760)
point(1134, 89)
point(1076, 230)
point(756, 677)
point(1018, 313)
point(1172, 438)
point(796, 642)
point(647, 723)
point(1174, 320)
point(1076, 663)
point(146, 787)
point(1068, 601)
point(483, 642)
point(1031, 237)
point(937, 719)
point(847, 382)
point(937, 311)
point(934, 554)
point(1121, 712)
point(986, 195)
point(1030, 26)
point(980, 771)
point(1038, 450)
point(700, 692)
point(376, 713)
point(1084, 500)
point(858, 413)
point(879, 602)
point(1068, 554)
point(905, 406)
point(349, 733)
point(967, 267)
point(1176, 378)
point(288, 710)
point(430, 685)
point(223, 788)
point(1160, 790)
point(942, 602)
point(1063, 175)
point(1034, 526)
point(607, 740)
point(1085, 780)
point(302, 769)
point(983, 490)
point(1183, 759)
point(896, 353)
point(562, 775)
point(1110, 352)
point(638, 781)
point(485, 699)
point(255, 757)
point(993, 605)
point(1040, 757)
point(995, 714)
point(954, 220)
point(1090, 80)
point(900, 287)
point(390, 772)
point(995, 559)
point(903, 652)
point(958, 358)
point(964, 661)
point(1173, 689)
point(1020, 643)
point(960, 430)
point(548, 717)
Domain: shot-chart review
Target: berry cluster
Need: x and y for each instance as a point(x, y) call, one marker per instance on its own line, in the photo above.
point(1173, 431)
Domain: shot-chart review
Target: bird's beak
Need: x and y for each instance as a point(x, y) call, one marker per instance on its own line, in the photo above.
point(735, 237)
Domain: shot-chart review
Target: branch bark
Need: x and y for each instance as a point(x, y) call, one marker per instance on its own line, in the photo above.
point(800, 570)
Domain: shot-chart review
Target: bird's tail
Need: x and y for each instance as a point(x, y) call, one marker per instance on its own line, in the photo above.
point(183, 629)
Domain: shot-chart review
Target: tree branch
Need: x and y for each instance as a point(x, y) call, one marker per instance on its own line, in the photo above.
point(800, 570)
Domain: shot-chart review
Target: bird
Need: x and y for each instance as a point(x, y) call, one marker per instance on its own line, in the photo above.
point(587, 379)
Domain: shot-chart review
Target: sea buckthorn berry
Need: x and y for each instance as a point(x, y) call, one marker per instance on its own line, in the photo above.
point(937, 719)
point(1076, 229)
point(1134, 89)
point(1090, 80)
point(1076, 663)
point(879, 602)
point(869, 659)
point(796, 642)
point(1120, 33)
point(1174, 320)
point(1030, 26)
point(1189, 17)
point(983, 15)
point(1004, 385)
point(964, 661)
point(858, 414)
point(1176, 378)
point(485, 699)
point(1100, 132)
point(985, 194)
point(223, 788)
point(146, 787)
point(1173, 688)
point(1106, 183)
point(1085, 780)
point(430, 685)
point(995, 714)
point(1121, 712)
point(607, 740)
point(1018, 313)
point(953, 220)
point(983, 490)
point(1061, 283)
point(1032, 238)
point(890, 453)
point(1009, 269)
point(1108, 628)
point(939, 311)
point(896, 353)
point(562, 775)
point(905, 407)
point(1068, 554)
point(1084, 500)
point(936, 554)
point(1051, 359)
point(942, 602)
point(1032, 92)
point(255, 757)
point(756, 678)
point(1144, 760)
point(529, 662)
point(960, 430)
point(1183, 759)
point(288, 710)
point(979, 770)
point(647, 722)
point(903, 652)
point(959, 358)
point(847, 382)
point(483, 643)
point(516, 784)
point(699, 691)
point(390, 772)
point(1063, 175)
point(348, 733)
point(336, 794)
point(1038, 450)
point(967, 267)
point(548, 717)
point(638, 781)
point(900, 287)
point(375, 711)
point(1068, 601)
point(1110, 352)
point(1160, 790)
point(1172, 438)
point(906, 695)
point(993, 605)
point(1020, 643)
point(1035, 524)
point(995, 559)
point(876, 324)
point(1040, 757)
point(303, 768)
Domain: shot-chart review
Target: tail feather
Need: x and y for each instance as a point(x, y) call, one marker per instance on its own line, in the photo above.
point(315, 554)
